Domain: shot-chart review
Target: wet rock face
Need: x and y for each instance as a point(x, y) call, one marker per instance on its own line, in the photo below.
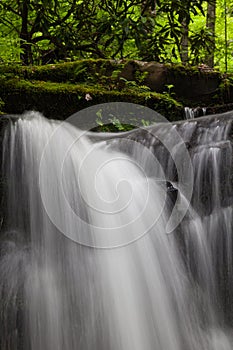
point(209, 142)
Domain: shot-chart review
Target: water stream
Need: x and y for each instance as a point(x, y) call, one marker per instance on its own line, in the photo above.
point(191, 113)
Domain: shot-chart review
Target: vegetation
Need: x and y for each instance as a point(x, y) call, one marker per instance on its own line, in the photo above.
point(188, 31)
point(61, 56)
point(61, 90)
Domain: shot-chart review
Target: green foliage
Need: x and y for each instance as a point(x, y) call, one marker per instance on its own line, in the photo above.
point(200, 44)
point(225, 89)
point(145, 122)
point(59, 100)
point(132, 84)
point(140, 77)
point(115, 125)
point(169, 92)
point(42, 32)
point(36, 32)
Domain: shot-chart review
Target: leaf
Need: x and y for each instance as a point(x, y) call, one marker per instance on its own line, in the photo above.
point(143, 19)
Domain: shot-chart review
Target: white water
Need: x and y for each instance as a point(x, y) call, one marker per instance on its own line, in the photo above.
point(191, 113)
point(62, 295)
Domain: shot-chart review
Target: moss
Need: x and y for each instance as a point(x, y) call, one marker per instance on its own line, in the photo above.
point(11, 71)
point(82, 69)
point(181, 70)
point(63, 99)
point(105, 81)
point(69, 71)
point(109, 72)
point(78, 71)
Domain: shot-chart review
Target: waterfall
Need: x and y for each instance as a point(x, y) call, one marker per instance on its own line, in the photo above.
point(86, 261)
point(191, 113)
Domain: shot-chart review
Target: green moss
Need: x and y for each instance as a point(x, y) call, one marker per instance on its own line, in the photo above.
point(181, 70)
point(79, 71)
point(82, 69)
point(65, 85)
point(59, 100)
point(11, 71)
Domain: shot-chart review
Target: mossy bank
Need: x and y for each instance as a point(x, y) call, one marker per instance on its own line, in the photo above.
point(59, 90)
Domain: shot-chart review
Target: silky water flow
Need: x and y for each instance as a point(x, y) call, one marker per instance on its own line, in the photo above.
point(85, 259)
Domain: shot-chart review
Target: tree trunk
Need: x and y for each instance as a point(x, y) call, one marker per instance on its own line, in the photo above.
point(210, 24)
point(184, 54)
point(25, 56)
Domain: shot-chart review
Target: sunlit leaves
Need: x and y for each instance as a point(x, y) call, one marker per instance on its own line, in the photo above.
point(141, 29)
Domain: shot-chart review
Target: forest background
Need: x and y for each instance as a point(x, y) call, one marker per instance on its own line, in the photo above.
point(192, 32)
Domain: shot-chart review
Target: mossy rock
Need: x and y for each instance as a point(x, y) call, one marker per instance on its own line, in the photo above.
point(61, 100)
point(78, 71)
point(191, 86)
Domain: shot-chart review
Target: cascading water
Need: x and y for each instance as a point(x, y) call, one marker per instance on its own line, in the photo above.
point(191, 113)
point(86, 261)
